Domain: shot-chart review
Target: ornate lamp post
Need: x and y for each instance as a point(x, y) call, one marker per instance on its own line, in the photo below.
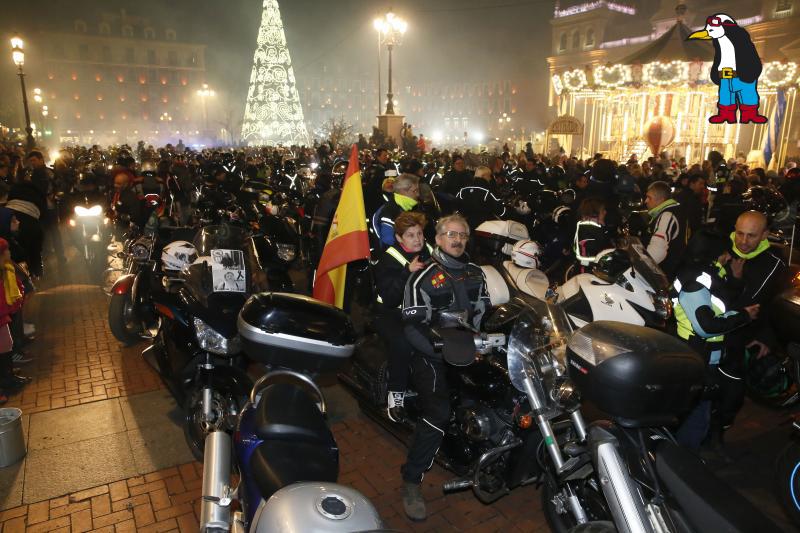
point(18, 55)
point(205, 93)
point(391, 29)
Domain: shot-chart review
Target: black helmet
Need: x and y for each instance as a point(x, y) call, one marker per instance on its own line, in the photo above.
point(767, 376)
point(765, 200)
point(544, 202)
point(723, 173)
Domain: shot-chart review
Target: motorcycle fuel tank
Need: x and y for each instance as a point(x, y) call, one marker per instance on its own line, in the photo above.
point(296, 332)
point(639, 376)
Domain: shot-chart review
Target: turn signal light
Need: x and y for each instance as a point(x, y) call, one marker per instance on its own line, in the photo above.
point(525, 421)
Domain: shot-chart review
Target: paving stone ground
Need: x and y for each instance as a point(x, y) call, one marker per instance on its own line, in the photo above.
point(78, 362)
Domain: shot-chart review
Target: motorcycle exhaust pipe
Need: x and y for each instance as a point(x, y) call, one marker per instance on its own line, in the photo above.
point(455, 485)
point(215, 506)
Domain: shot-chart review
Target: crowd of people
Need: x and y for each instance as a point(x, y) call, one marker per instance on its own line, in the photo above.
point(705, 224)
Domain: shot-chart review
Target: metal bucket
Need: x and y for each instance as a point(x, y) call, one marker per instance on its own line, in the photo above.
point(12, 440)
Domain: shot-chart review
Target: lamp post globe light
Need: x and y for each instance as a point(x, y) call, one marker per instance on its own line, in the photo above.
point(391, 29)
point(18, 56)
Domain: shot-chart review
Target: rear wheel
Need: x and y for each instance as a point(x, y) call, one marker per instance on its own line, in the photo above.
point(787, 479)
point(227, 400)
point(122, 319)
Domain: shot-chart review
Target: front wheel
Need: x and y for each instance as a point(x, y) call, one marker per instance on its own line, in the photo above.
point(227, 400)
point(558, 515)
point(122, 319)
point(787, 479)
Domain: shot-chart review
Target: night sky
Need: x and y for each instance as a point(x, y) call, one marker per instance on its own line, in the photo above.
point(448, 40)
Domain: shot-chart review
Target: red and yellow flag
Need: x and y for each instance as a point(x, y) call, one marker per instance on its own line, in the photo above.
point(348, 239)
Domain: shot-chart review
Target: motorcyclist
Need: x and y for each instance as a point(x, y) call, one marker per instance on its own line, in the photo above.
point(756, 275)
point(457, 177)
point(667, 228)
point(372, 189)
point(703, 315)
point(125, 202)
point(449, 283)
point(404, 198)
point(591, 235)
point(403, 258)
point(477, 201)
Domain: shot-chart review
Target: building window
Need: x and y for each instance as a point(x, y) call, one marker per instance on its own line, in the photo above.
point(107, 54)
point(172, 58)
point(590, 37)
point(129, 56)
point(151, 57)
point(83, 51)
point(127, 31)
point(191, 61)
point(576, 39)
point(105, 29)
point(562, 43)
point(149, 33)
point(170, 33)
point(80, 26)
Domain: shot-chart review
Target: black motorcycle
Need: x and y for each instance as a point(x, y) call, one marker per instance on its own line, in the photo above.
point(197, 351)
point(517, 419)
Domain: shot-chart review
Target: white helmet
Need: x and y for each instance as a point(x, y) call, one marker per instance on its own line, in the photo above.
point(525, 254)
point(177, 255)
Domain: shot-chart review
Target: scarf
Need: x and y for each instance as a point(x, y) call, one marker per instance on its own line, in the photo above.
point(10, 284)
point(763, 245)
point(405, 203)
point(660, 207)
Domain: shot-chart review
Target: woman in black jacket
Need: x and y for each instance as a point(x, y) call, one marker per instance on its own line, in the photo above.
point(409, 254)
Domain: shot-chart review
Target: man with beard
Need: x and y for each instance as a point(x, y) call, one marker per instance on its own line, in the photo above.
point(449, 283)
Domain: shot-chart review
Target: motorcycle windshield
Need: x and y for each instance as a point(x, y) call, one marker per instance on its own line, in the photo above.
point(219, 237)
point(542, 330)
point(644, 265)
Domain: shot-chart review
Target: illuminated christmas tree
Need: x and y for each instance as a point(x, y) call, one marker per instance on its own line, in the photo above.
point(273, 114)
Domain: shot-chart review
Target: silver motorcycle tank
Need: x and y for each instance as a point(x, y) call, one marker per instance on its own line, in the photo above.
point(315, 507)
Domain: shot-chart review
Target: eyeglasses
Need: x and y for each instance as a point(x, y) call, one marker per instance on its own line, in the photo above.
point(453, 234)
point(716, 21)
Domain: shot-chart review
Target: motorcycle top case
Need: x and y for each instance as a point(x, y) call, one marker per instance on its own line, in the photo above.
point(295, 332)
point(785, 315)
point(639, 376)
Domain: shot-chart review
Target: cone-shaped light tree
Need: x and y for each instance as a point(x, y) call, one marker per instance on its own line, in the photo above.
point(273, 114)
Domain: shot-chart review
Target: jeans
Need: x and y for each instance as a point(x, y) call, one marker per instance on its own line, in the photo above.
point(731, 89)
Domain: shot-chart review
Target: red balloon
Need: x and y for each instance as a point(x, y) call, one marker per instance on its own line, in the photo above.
point(660, 133)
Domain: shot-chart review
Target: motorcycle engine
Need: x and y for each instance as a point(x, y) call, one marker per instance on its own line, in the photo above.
point(477, 423)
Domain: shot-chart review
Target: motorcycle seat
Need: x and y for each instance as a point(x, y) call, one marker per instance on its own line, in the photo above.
point(531, 281)
point(276, 464)
point(708, 503)
point(289, 413)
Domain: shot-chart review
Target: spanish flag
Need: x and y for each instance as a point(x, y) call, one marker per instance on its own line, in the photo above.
point(348, 239)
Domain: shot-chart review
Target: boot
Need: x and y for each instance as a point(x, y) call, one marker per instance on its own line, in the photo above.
point(727, 113)
point(413, 502)
point(394, 406)
point(749, 113)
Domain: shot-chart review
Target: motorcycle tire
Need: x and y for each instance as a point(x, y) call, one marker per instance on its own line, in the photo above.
point(229, 398)
point(600, 526)
point(787, 479)
point(123, 330)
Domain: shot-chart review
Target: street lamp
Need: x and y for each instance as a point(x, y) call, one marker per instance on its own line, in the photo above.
point(18, 55)
point(205, 93)
point(391, 29)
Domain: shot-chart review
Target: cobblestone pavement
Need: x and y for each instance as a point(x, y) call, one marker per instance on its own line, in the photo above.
point(78, 361)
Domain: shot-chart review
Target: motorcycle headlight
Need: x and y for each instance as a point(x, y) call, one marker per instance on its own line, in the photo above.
point(211, 341)
point(94, 211)
point(286, 252)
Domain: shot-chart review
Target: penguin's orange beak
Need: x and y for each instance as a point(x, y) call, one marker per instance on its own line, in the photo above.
point(701, 34)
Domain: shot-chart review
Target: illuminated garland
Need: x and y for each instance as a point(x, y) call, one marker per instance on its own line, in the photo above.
point(611, 77)
point(273, 114)
point(777, 74)
point(575, 80)
point(657, 73)
point(558, 87)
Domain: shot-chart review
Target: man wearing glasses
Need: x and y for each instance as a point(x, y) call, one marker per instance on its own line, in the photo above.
point(449, 283)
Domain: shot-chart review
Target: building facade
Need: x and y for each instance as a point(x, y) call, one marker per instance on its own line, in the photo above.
point(116, 77)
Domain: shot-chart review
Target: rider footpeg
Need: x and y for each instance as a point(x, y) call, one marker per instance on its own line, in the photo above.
point(455, 485)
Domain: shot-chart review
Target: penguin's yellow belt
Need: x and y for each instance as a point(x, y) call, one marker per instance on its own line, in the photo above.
point(727, 73)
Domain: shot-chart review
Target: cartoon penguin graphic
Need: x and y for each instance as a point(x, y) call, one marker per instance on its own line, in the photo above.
point(735, 70)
